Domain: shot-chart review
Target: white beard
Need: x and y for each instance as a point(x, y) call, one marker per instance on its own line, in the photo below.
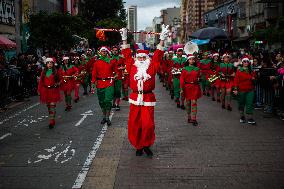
point(142, 67)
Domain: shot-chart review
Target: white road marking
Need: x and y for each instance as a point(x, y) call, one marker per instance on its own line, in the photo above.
point(16, 114)
point(59, 156)
point(88, 113)
point(83, 173)
point(6, 135)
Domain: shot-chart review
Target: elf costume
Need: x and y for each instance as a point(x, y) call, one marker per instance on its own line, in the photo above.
point(178, 65)
point(103, 78)
point(67, 72)
point(48, 89)
point(215, 86)
point(226, 73)
point(118, 65)
point(205, 69)
point(244, 84)
point(77, 79)
point(189, 84)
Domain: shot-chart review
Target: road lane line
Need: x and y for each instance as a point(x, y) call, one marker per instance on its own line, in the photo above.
point(6, 135)
point(18, 113)
point(86, 167)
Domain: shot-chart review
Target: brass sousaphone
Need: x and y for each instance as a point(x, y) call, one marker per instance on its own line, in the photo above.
point(190, 48)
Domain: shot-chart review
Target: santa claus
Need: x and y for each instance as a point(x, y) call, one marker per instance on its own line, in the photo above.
point(142, 71)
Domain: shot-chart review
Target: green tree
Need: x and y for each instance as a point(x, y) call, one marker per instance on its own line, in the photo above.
point(55, 31)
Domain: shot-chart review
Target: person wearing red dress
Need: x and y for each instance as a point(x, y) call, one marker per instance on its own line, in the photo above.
point(205, 69)
point(67, 72)
point(244, 88)
point(103, 80)
point(48, 89)
point(215, 86)
point(142, 100)
point(227, 74)
point(117, 62)
point(189, 84)
point(77, 79)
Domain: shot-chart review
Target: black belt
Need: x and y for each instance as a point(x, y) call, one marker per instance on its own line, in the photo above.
point(191, 82)
point(98, 78)
point(50, 86)
point(142, 92)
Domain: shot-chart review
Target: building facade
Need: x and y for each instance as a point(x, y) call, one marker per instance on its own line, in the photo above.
point(132, 19)
point(156, 24)
point(192, 15)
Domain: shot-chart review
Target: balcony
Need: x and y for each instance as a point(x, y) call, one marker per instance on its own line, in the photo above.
point(271, 12)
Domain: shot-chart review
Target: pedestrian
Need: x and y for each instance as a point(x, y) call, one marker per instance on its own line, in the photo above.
point(103, 80)
point(244, 88)
point(67, 71)
point(169, 75)
point(117, 62)
point(226, 73)
point(189, 84)
point(142, 100)
point(48, 89)
point(179, 62)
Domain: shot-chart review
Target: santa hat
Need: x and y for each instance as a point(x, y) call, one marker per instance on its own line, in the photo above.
point(245, 58)
point(83, 55)
point(190, 56)
point(180, 49)
point(226, 55)
point(89, 50)
point(215, 54)
point(142, 53)
point(171, 51)
point(104, 48)
point(65, 58)
point(49, 60)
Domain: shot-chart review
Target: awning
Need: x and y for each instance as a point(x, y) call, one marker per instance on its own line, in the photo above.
point(6, 43)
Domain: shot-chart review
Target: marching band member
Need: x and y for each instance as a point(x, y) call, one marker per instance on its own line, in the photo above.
point(244, 88)
point(118, 65)
point(77, 79)
point(103, 80)
point(215, 86)
point(85, 72)
point(226, 73)
point(67, 72)
point(48, 89)
point(142, 100)
point(177, 67)
point(189, 84)
point(205, 68)
point(169, 76)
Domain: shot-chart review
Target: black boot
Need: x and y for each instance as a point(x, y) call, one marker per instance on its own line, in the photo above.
point(103, 121)
point(148, 151)
point(194, 123)
point(139, 152)
point(182, 107)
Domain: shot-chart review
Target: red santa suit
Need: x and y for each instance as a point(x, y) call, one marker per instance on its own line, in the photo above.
point(142, 100)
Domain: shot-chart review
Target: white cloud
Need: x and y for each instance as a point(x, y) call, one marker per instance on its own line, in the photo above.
point(146, 14)
point(148, 9)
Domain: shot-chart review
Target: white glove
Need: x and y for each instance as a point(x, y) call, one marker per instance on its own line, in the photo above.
point(123, 33)
point(165, 32)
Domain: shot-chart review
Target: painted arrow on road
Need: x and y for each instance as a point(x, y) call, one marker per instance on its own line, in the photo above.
point(88, 113)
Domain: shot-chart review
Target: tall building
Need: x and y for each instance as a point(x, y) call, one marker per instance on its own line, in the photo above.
point(192, 15)
point(157, 22)
point(132, 19)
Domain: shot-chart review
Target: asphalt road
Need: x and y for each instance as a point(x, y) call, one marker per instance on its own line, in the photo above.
point(33, 156)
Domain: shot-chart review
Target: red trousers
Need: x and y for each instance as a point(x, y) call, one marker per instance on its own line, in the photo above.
point(141, 126)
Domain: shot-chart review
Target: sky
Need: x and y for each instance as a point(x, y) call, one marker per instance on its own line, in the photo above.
point(148, 9)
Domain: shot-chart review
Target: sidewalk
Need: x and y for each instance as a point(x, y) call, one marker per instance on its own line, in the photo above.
point(219, 153)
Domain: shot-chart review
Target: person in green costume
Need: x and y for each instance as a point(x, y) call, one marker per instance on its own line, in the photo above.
point(103, 80)
point(179, 62)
